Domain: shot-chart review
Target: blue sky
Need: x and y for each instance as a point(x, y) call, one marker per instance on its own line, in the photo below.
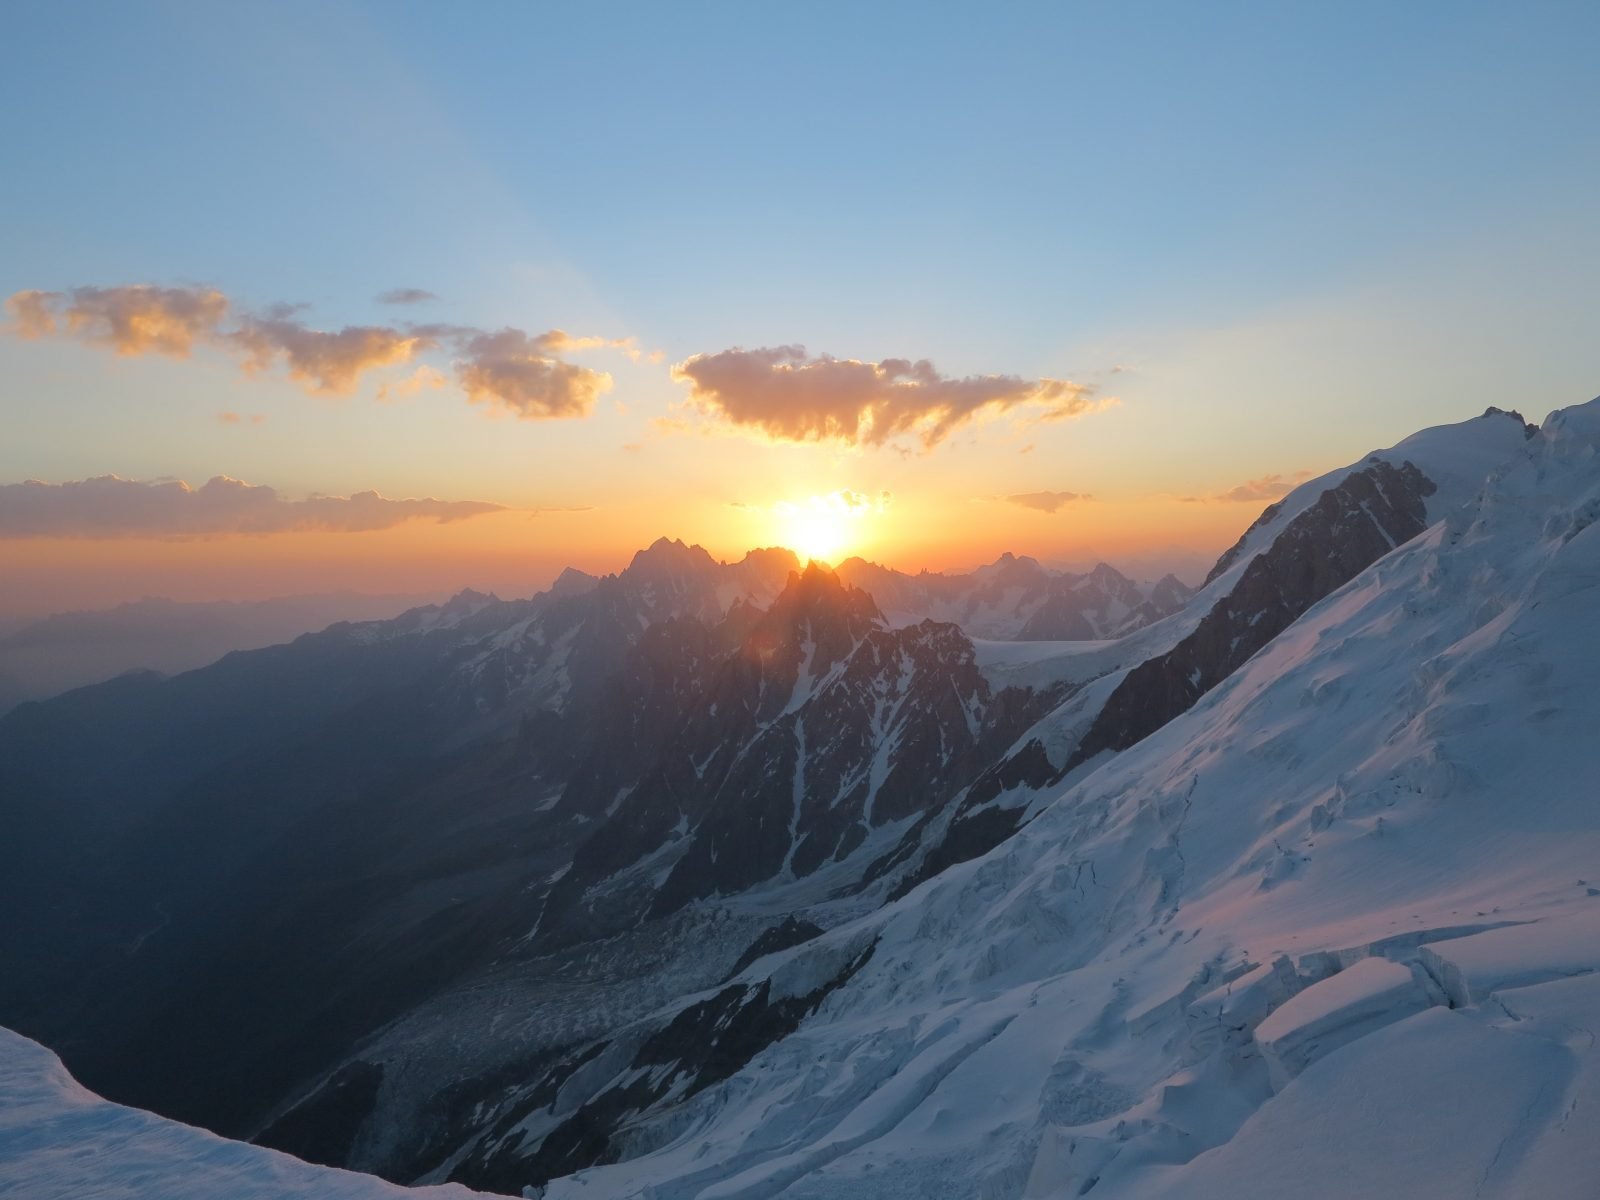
point(1302, 230)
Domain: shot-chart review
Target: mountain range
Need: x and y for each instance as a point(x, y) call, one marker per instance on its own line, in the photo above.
point(739, 879)
point(45, 656)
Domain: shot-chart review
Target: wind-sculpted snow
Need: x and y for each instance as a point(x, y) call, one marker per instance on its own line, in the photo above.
point(1407, 767)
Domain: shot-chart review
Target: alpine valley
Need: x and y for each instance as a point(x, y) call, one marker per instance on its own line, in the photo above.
point(766, 878)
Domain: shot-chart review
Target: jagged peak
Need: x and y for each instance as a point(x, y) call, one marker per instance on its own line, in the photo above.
point(1169, 580)
point(666, 553)
point(1012, 566)
point(815, 574)
point(818, 589)
point(771, 556)
point(856, 563)
point(468, 598)
point(573, 582)
point(1528, 427)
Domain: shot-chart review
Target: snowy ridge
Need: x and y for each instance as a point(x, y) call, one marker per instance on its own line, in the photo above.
point(1403, 778)
point(1457, 458)
point(58, 1141)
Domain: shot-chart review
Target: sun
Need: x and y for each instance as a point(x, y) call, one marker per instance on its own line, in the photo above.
point(816, 534)
point(825, 528)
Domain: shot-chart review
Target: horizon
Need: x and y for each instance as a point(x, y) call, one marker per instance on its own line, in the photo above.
point(425, 598)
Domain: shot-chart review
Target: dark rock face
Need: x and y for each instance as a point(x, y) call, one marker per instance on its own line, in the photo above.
point(820, 728)
point(1529, 429)
point(1060, 618)
point(323, 1126)
point(982, 820)
point(791, 931)
point(1350, 527)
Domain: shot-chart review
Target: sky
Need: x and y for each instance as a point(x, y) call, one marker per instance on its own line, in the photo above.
point(447, 296)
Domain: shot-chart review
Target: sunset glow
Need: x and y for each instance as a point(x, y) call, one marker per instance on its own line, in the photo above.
point(824, 528)
point(518, 368)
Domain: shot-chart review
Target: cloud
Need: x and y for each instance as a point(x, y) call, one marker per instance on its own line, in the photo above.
point(31, 313)
point(320, 361)
point(516, 372)
point(405, 296)
point(135, 319)
point(1046, 501)
point(788, 394)
point(111, 507)
point(845, 501)
point(851, 501)
point(1267, 487)
point(424, 377)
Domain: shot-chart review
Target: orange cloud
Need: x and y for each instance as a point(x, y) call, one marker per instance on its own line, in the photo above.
point(515, 371)
point(31, 313)
point(1046, 501)
point(320, 361)
point(1267, 487)
point(424, 377)
point(134, 319)
point(111, 507)
point(795, 397)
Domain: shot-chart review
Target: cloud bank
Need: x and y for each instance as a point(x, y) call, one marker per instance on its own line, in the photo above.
point(108, 506)
point(1046, 501)
point(519, 372)
point(788, 394)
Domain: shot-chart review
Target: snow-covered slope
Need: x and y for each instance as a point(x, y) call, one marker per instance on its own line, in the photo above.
point(1334, 931)
point(1317, 538)
point(59, 1141)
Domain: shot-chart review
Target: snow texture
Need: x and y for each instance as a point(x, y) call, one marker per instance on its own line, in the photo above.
point(59, 1141)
